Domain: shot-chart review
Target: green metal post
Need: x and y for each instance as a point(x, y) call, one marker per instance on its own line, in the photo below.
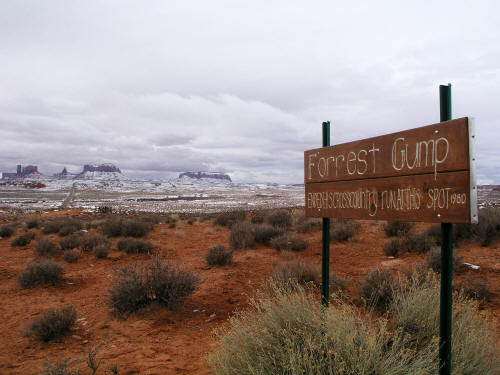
point(325, 256)
point(446, 262)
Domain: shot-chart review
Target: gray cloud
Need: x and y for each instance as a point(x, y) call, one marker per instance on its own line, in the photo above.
point(162, 87)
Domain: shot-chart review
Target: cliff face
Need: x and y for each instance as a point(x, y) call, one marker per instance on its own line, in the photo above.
point(101, 172)
point(100, 168)
point(212, 175)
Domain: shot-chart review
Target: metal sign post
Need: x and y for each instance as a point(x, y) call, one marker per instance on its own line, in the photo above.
point(325, 254)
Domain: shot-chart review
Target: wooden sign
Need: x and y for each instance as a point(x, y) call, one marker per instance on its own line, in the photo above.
point(422, 174)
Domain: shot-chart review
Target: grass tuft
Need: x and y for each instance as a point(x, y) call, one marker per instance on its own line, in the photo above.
point(53, 323)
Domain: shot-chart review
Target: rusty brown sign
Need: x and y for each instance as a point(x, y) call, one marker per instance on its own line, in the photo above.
point(422, 174)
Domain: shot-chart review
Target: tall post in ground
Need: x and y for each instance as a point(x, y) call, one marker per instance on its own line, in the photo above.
point(325, 255)
point(446, 262)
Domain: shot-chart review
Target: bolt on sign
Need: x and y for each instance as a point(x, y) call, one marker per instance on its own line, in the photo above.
point(422, 174)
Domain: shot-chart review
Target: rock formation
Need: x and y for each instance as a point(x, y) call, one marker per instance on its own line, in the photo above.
point(211, 175)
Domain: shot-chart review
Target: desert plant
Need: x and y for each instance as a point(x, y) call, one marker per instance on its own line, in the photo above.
point(45, 247)
point(289, 242)
point(70, 242)
point(6, 231)
point(397, 228)
point(410, 243)
point(169, 284)
point(344, 229)
point(135, 246)
point(264, 233)
point(41, 272)
point(307, 224)
point(296, 271)
point(433, 260)
point(32, 223)
point(191, 220)
point(23, 239)
point(286, 332)
point(258, 217)
point(136, 228)
point(90, 241)
point(280, 219)
point(53, 323)
point(218, 255)
point(71, 256)
point(61, 367)
point(241, 235)
point(474, 348)
point(475, 288)
point(52, 226)
point(112, 227)
point(101, 251)
point(378, 288)
point(227, 219)
point(130, 291)
point(392, 247)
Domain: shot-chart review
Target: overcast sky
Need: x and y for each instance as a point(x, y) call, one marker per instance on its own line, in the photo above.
point(242, 87)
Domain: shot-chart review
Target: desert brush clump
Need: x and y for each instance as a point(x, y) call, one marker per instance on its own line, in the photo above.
point(32, 223)
point(229, 218)
point(218, 255)
point(280, 219)
point(43, 272)
point(433, 260)
point(6, 231)
point(61, 367)
point(344, 229)
point(241, 235)
point(52, 323)
point(397, 228)
point(23, 239)
point(132, 227)
point(414, 313)
point(258, 217)
point(475, 288)
point(296, 271)
point(70, 242)
point(46, 247)
point(264, 233)
point(289, 242)
point(307, 224)
point(377, 289)
point(71, 256)
point(90, 241)
point(159, 282)
point(409, 243)
point(101, 251)
point(287, 332)
point(135, 246)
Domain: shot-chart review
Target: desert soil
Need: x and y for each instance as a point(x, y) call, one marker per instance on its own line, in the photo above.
point(161, 341)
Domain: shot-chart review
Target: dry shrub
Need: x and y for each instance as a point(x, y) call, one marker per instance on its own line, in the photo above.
point(344, 229)
point(280, 219)
point(241, 235)
point(475, 288)
point(70, 226)
point(135, 246)
point(45, 247)
point(71, 256)
point(258, 217)
point(70, 242)
point(433, 260)
point(296, 271)
point(191, 220)
point(101, 251)
point(228, 219)
point(61, 367)
point(90, 241)
point(158, 281)
point(264, 233)
point(136, 228)
point(377, 288)
point(397, 228)
point(415, 313)
point(6, 231)
point(307, 224)
point(289, 242)
point(218, 255)
point(52, 324)
point(410, 243)
point(23, 239)
point(42, 272)
point(32, 223)
point(285, 331)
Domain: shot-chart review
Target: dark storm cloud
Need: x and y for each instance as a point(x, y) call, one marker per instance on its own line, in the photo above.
point(162, 87)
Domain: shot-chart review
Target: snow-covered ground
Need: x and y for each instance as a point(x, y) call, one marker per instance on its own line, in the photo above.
point(123, 194)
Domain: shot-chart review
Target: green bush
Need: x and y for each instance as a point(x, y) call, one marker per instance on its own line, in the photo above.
point(378, 288)
point(264, 233)
point(280, 219)
point(6, 231)
point(415, 313)
point(23, 239)
point(241, 235)
point(218, 255)
point(41, 272)
point(289, 242)
point(135, 246)
point(287, 333)
point(397, 228)
point(344, 229)
point(53, 323)
point(45, 247)
point(227, 219)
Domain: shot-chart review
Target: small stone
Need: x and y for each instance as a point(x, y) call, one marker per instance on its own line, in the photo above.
point(76, 337)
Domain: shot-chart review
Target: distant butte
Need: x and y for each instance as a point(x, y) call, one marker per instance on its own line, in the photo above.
point(212, 175)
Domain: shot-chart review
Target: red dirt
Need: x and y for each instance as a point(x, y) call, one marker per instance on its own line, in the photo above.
point(160, 341)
